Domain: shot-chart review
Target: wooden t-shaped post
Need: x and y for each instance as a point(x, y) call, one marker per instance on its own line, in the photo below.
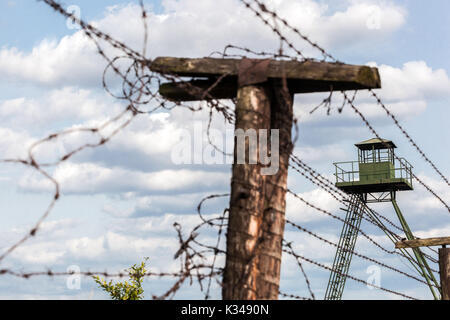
point(264, 90)
point(444, 258)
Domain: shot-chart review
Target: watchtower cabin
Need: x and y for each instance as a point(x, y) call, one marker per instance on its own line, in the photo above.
point(376, 171)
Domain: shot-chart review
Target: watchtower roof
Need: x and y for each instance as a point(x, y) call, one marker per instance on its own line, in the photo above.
point(375, 143)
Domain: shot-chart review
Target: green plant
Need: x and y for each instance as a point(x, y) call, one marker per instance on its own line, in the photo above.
point(131, 290)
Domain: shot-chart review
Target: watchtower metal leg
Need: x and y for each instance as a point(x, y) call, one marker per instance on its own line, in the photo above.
point(420, 259)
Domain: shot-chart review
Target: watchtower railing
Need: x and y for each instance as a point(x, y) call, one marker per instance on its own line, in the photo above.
point(348, 171)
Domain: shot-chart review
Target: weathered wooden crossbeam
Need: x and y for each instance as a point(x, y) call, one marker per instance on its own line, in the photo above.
point(416, 243)
point(301, 76)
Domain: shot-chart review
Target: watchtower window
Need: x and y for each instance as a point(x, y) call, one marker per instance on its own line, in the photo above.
point(376, 155)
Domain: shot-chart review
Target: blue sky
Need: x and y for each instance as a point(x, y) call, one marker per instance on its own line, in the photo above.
point(120, 200)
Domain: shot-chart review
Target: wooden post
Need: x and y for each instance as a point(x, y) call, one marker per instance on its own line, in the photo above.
point(444, 271)
point(416, 243)
point(264, 91)
point(444, 258)
point(275, 193)
point(246, 201)
point(257, 202)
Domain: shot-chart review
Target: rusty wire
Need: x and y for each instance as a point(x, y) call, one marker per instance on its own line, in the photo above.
point(291, 251)
point(137, 91)
point(366, 122)
point(316, 178)
point(261, 8)
point(321, 238)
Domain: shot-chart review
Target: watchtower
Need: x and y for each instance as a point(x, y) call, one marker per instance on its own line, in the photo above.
point(377, 174)
point(375, 177)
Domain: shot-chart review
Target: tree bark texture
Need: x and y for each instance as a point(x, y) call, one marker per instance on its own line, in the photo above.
point(257, 202)
point(444, 269)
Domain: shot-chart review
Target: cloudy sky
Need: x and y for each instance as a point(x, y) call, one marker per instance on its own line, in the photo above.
point(119, 201)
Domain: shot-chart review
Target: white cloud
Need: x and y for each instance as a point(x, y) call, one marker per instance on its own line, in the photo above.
point(164, 224)
point(65, 104)
point(442, 231)
point(70, 60)
point(200, 22)
point(415, 80)
point(298, 211)
point(427, 201)
point(13, 143)
point(405, 91)
point(43, 253)
point(321, 153)
point(73, 59)
point(93, 178)
point(309, 246)
point(151, 135)
point(106, 246)
point(188, 28)
point(130, 204)
point(358, 22)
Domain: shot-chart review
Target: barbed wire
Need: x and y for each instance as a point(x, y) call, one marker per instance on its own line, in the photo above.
point(327, 101)
point(331, 189)
point(263, 9)
point(337, 194)
point(137, 90)
point(364, 234)
point(403, 253)
point(291, 251)
point(308, 283)
point(413, 143)
point(344, 200)
point(122, 274)
point(293, 296)
point(366, 122)
point(321, 238)
point(137, 80)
